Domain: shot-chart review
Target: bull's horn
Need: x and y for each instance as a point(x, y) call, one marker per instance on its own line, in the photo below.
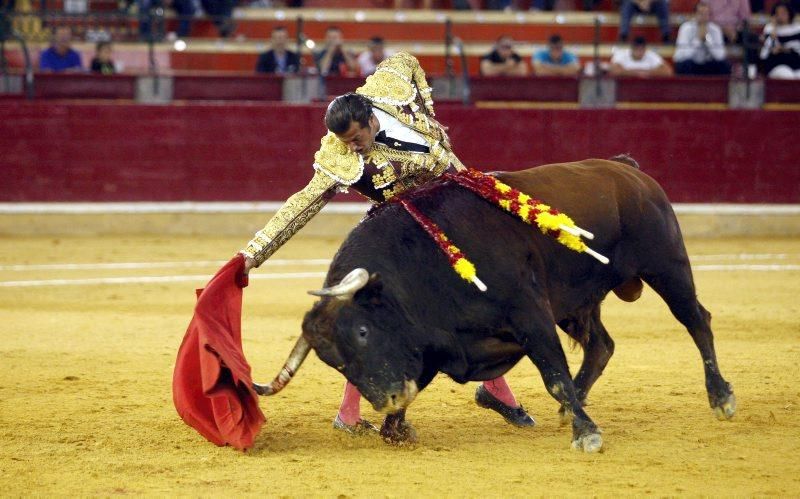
point(296, 358)
point(351, 283)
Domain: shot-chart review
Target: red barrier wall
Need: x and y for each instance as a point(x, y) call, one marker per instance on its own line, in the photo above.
point(55, 151)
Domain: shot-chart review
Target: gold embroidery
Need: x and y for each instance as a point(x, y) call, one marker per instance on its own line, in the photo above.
point(337, 161)
point(291, 217)
point(392, 191)
point(400, 88)
point(384, 177)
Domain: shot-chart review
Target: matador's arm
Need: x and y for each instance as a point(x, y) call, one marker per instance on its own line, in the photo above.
point(335, 166)
point(290, 218)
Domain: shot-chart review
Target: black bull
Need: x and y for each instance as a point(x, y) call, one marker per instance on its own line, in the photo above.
point(392, 327)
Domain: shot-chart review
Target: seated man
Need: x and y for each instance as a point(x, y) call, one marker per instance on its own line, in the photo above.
point(659, 8)
point(382, 140)
point(700, 48)
point(60, 56)
point(554, 60)
point(278, 59)
point(503, 61)
point(335, 59)
point(639, 61)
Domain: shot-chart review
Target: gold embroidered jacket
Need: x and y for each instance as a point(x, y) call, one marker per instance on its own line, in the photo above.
point(399, 88)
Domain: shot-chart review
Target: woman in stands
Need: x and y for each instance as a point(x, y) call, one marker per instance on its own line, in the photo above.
point(780, 54)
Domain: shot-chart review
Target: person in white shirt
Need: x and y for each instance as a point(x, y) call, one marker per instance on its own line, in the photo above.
point(780, 54)
point(700, 47)
point(369, 59)
point(639, 61)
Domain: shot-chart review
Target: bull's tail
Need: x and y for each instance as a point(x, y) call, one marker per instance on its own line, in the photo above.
point(625, 158)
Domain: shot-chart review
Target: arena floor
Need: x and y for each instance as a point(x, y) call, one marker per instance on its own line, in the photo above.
point(87, 354)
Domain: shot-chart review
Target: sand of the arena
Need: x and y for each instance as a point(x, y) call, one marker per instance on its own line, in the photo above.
point(86, 407)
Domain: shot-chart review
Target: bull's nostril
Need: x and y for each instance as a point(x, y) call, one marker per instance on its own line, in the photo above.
point(394, 399)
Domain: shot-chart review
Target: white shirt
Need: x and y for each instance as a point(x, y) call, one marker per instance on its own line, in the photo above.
point(688, 46)
point(649, 61)
point(396, 130)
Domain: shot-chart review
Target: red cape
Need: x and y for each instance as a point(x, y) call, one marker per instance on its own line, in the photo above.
point(211, 385)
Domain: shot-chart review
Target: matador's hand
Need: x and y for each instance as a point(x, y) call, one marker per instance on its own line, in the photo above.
point(249, 263)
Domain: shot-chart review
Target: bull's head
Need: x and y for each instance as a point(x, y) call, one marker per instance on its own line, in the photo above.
point(358, 329)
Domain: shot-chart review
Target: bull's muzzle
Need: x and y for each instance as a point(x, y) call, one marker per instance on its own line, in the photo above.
point(398, 398)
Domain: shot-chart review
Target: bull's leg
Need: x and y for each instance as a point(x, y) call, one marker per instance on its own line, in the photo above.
point(544, 349)
point(677, 289)
point(597, 351)
point(396, 430)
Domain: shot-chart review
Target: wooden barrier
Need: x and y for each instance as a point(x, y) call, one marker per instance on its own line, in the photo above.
point(55, 151)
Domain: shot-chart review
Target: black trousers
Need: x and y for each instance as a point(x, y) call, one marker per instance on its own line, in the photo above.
point(709, 68)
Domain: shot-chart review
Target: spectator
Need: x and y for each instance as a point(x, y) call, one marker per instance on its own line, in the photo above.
point(700, 48)
point(547, 5)
point(151, 23)
point(554, 60)
point(369, 59)
point(659, 8)
point(102, 63)
point(780, 53)
point(731, 16)
point(60, 56)
point(639, 61)
point(334, 59)
point(220, 12)
point(503, 61)
point(278, 59)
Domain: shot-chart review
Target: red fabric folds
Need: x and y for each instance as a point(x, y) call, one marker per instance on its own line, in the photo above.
point(211, 386)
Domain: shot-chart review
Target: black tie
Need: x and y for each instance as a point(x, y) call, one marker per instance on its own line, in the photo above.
point(399, 144)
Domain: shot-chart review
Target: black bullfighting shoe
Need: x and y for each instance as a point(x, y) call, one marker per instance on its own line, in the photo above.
point(514, 415)
point(363, 427)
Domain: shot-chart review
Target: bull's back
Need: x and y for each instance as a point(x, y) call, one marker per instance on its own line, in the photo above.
point(593, 189)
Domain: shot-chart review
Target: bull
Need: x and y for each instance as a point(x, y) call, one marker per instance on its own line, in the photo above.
point(393, 313)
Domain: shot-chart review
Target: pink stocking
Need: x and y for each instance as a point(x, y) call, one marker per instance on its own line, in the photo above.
point(350, 410)
point(501, 391)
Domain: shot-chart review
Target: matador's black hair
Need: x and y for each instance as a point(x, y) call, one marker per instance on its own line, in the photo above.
point(346, 109)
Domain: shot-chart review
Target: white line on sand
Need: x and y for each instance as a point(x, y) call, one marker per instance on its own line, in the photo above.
point(755, 267)
point(155, 265)
point(744, 256)
point(310, 262)
point(306, 275)
point(148, 279)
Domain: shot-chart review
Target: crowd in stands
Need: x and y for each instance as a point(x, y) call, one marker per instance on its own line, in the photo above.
point(701, 47)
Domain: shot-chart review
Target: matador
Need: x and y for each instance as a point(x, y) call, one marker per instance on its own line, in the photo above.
point(382, 140)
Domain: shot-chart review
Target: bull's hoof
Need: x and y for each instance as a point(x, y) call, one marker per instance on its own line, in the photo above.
point(398, 433)
point(727, 409)
point(590, 442)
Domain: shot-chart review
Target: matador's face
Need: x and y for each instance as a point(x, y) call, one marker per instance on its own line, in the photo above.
point(360, 139)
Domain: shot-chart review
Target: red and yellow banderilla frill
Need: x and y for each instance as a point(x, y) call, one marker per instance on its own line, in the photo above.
point(458, 260)
point(548, 220)
point(529, 210)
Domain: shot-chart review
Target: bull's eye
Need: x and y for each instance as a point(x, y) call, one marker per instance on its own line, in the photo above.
point(363, 332)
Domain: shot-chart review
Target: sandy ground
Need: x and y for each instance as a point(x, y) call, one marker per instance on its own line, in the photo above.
point(86, 407)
